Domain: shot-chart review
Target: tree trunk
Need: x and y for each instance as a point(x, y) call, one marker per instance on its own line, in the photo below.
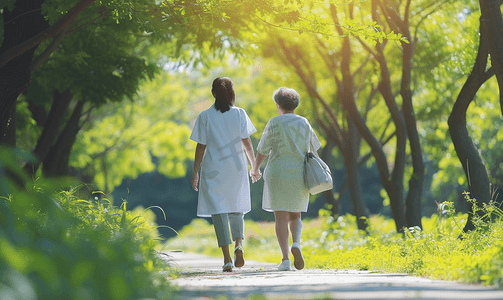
point(414, 195)
point(351, 152)
point(491, 16)
point(24, 29)
point(56, 161)
point(394, 185)
point(10, 136)
point(52, 128)
point(38, 112)
point(22, 23)
point(330, 200)
point(351, 158)
point(468, 154)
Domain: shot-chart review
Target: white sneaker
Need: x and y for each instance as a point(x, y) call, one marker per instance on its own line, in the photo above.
point(285, 265)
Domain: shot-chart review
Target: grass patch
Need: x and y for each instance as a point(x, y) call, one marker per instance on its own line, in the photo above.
point(435, 252)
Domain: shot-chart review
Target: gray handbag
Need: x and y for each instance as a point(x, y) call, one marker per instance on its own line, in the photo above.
point(317, 175)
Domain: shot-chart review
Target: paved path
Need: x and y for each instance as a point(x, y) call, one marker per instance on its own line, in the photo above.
point(202, 278)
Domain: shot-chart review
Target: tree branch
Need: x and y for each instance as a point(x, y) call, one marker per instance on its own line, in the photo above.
point(50, 49)
point(366, 47)
point(330, 133)
point(101, 16)
point(99, 11)
point(407, 9)
point(371, 96)
point(361, 67)
point(311, 89)
point(331, 66)
point(438, 5)
point(52, 31)
point(333, 10)
point(393, 25)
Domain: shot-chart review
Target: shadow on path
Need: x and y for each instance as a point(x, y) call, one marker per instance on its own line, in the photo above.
point(202, 278)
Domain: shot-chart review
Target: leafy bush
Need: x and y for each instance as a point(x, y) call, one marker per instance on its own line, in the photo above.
point(53, 245)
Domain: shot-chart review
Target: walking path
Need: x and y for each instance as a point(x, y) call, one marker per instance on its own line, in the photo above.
point(202, 278)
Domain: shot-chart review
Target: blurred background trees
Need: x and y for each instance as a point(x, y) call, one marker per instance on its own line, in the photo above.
point(111, 99)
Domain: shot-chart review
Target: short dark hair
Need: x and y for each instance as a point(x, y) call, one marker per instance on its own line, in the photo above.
point(223, 90)
point(287, 98)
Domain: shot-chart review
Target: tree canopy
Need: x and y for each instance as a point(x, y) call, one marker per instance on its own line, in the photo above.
point(378, 80)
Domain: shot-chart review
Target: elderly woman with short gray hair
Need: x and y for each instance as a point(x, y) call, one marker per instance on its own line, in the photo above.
point(286, 140)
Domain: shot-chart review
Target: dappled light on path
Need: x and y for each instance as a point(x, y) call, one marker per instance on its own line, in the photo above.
point(202, 278)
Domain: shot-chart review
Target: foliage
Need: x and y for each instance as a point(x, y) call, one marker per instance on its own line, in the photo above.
point(123, 138)
point(438, 251)
point(98, 63)
point(54, 245)
point(445, 50)
point(484, 124)
point(454, 49)
point(307, 17)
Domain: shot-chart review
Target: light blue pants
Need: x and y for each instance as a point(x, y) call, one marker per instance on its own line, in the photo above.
point(221, 223)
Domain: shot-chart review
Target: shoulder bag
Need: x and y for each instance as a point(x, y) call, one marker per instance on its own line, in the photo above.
point(317, 174)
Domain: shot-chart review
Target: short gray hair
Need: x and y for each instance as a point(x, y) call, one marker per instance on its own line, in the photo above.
point(287, 98)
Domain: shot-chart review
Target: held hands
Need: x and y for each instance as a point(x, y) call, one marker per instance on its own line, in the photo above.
point(255, 174)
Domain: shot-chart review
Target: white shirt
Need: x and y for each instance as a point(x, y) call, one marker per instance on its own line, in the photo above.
point(224, 185)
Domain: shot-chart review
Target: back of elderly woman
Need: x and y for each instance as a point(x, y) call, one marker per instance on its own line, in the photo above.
point(286, 140)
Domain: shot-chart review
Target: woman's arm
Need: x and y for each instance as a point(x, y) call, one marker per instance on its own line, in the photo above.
point(248, 147)
point(197, 163)
point(255, 171)
point(259, 160)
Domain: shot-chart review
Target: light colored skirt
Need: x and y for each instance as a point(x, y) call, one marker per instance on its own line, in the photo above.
point(284, 190)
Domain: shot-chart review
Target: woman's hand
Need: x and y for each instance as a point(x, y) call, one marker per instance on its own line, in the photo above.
point(255, 174)
point(195, 180)
point(255, 171)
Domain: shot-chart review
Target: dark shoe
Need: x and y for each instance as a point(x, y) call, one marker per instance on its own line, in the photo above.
point(298, 259)
point(239, 259)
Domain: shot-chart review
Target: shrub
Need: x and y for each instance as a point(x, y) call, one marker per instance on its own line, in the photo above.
point(53, 245)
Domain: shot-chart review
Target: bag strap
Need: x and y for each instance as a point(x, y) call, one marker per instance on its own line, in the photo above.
point(291, 141)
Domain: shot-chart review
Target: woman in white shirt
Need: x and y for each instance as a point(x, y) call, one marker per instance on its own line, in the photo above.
point(221, 133)
point(286, 140)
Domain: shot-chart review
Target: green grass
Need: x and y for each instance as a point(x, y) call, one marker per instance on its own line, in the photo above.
point(435, 252)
